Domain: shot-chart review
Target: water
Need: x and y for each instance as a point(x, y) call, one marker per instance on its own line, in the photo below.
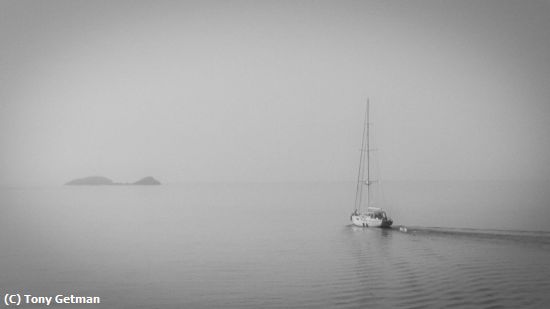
point(271, 246)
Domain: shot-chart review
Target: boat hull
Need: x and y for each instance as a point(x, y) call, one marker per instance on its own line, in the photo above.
point(367, 221)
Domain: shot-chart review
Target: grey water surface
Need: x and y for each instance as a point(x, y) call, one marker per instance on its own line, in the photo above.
point(280, 245)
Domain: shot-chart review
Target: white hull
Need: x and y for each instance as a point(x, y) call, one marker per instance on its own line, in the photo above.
point(364, 220)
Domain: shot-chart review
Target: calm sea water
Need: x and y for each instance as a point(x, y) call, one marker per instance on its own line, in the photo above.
point(278, 246)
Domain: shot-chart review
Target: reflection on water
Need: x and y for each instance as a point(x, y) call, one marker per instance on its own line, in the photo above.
point(251, 246)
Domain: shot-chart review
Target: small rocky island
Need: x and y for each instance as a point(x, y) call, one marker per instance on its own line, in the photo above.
point(147, 181)
point(104, 181)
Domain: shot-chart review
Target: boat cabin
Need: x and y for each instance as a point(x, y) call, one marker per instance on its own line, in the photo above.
point(376, 213)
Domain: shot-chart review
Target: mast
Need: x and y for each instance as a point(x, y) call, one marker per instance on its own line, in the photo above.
point(360, 172)
point(368, 157)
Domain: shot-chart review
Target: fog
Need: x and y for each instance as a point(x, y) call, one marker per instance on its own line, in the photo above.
point(269, 91)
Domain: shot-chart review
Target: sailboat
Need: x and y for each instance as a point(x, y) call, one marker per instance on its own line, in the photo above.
point(365, 214)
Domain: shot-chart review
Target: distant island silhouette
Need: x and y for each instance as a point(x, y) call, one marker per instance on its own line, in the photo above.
point(104, 181)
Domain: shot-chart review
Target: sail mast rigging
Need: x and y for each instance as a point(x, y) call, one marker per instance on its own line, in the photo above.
point(361, 171)
point(368, 156)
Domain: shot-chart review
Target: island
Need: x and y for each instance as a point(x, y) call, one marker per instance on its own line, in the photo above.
point(91, 181)
point(147, 181)
point(104, 181)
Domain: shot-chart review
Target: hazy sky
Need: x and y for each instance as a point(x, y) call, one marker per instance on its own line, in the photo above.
point(273, 90)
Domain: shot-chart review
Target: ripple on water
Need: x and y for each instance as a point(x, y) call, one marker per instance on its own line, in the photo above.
point(442, 269)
